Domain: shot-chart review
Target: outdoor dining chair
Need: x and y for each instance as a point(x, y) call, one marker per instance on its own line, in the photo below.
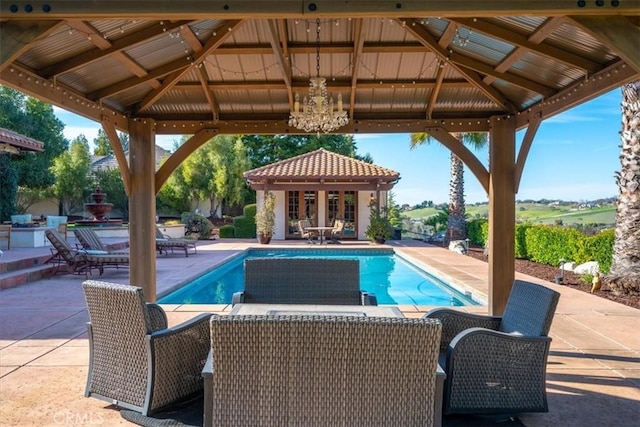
point(497, 364)
point(136, 361)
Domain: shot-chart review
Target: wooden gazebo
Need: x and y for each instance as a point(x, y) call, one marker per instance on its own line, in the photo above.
point(203, 67)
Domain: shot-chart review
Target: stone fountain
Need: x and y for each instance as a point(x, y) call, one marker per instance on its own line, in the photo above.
point(99, 210)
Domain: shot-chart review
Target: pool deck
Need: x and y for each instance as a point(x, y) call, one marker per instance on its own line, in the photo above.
point(593, 375)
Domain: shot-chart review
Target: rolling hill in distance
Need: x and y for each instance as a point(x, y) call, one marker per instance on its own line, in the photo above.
point(541, 213)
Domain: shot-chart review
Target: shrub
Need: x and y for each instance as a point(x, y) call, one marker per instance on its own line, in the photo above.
point(477, 231)
point(226, 231)
point(245, 225)
point(197, 224)
point(597, 248)
point(521, 240)
point(550, 244)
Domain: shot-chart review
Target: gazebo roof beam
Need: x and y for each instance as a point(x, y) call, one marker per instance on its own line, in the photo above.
point(416, 28)
point(240, 9)
point(106, 48)
point(197, 58)
point(279, 48)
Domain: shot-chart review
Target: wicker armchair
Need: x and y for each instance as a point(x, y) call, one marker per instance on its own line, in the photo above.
point(303, 281)
point(136, 362)
point(497, 365)
point(314, 370)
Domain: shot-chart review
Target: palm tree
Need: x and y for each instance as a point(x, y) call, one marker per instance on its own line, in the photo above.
point(624, 277)
point(456, 225)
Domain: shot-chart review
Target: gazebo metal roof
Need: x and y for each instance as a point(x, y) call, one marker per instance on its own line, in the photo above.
point(235, 66)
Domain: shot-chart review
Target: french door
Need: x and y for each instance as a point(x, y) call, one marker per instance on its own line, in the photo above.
point(300, 205)
point(343, 205)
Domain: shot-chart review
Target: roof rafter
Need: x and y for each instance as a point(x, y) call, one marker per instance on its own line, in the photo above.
point(418, 31)
point(279, 47)
point(16, 37)
point(546, 50)
point(358, 44)
point(124, 43)
point(222, 33)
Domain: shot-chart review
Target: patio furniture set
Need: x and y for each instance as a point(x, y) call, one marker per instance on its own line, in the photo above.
point(291, 363)
point(93, 253)
point(313, 233)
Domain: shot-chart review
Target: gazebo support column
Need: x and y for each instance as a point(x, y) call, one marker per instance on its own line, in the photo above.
point(502, 214)
point(142, 208)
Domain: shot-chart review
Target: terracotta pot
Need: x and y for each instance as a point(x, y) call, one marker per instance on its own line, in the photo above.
point(379, 240)
point(263, 240)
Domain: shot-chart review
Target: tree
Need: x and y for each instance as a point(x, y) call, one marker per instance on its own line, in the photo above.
point(8, 187)
point(624, 277)
point(102, 147)
point(35, 119)
point(456, 226)
point(214, 171)
point(71, 170)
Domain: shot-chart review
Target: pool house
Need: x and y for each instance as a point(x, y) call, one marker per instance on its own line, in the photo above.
point(321, 186)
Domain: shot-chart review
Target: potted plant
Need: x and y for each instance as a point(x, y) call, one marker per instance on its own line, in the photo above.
point(379, 229)
point(266, 219)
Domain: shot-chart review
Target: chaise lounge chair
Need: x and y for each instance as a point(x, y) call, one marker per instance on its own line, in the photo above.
point(164, 243)
point(136, 361)
point(497, 365)
point(303, 281)
point(90, 241)
point(82, 261)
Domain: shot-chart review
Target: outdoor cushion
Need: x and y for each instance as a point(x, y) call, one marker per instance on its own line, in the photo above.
point(21, 219)
point(54, 221)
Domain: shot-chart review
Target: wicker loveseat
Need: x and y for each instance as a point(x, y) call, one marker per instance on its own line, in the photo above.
point(136, 361)
point(497, 365)
point(303, 281)
point(313, 370)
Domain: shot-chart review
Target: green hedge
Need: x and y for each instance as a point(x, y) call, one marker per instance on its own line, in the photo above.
point(521, 251)
point(226, 231)
point(549, 244)
point(478, 231)
point(245, 225)
point(597, 248)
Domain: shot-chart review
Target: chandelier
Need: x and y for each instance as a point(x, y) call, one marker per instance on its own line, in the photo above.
point(318, 114)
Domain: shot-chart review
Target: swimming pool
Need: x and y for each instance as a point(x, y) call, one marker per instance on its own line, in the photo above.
point(393, 280)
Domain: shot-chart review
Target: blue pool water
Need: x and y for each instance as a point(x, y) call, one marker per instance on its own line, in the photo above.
point(392, 279)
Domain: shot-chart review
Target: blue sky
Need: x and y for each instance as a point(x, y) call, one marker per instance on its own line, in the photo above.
point(574, 156)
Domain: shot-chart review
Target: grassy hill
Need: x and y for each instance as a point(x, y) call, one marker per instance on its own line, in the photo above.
point(539, 213)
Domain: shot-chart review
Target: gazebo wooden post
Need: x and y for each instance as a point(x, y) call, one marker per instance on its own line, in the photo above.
point(142, 207)
point(502, 212)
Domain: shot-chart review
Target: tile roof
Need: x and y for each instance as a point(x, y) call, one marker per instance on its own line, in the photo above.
point(14, 142)
point(322, 164)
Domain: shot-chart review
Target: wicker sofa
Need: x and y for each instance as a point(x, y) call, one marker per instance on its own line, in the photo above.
point(303, 281)
point(497, 364)
point(314, 370)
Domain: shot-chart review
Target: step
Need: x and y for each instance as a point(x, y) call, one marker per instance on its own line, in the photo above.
point(20, 277)
point(24, 263)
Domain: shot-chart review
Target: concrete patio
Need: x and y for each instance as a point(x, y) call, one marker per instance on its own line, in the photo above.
point(593, 372)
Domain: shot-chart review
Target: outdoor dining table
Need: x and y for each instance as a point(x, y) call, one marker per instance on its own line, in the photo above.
point(321, 231)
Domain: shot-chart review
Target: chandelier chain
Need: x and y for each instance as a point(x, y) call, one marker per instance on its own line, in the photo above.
point(317, 48)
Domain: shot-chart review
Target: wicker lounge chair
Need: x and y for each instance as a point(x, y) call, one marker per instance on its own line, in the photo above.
point(91, 241)
point(82, 261)
point(321, 370)
point(164, 243)
point(136, 361)
point(303, 281)
point(497, 365)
